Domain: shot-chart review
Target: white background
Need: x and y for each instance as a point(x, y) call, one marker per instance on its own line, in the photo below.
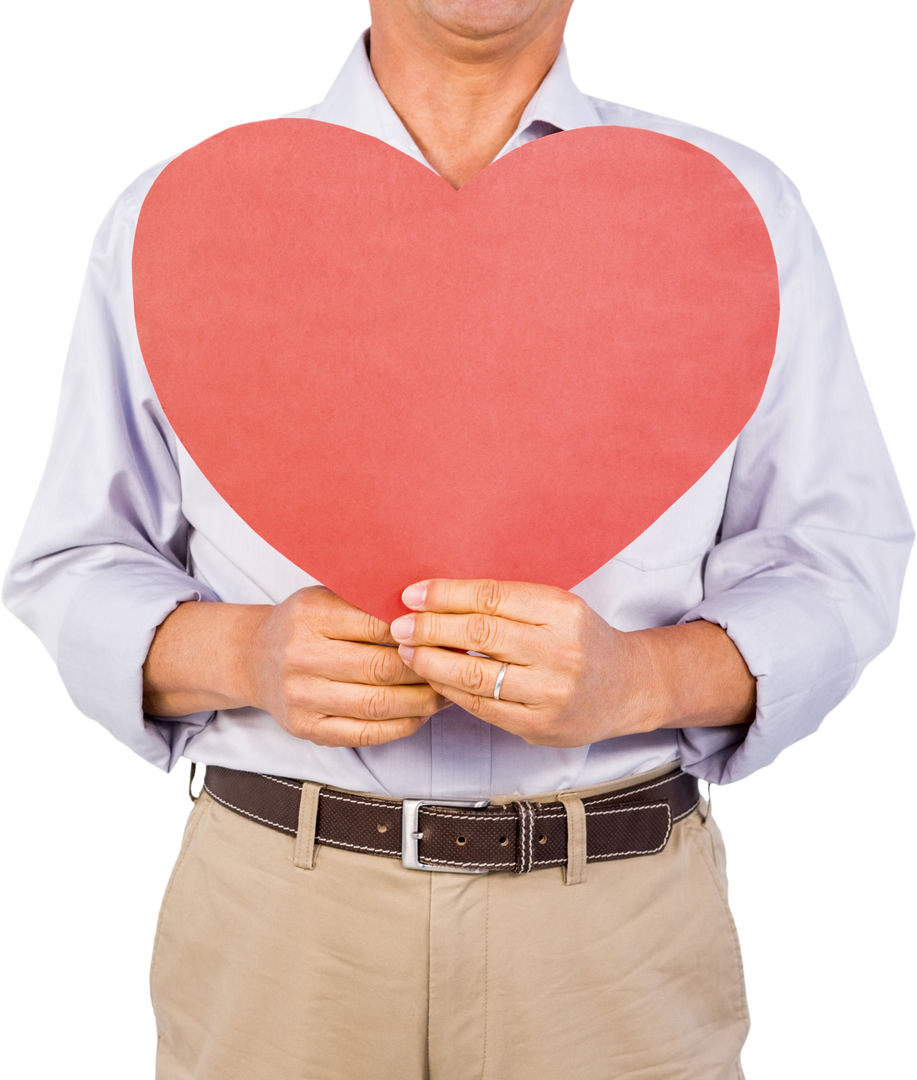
point(813, 872)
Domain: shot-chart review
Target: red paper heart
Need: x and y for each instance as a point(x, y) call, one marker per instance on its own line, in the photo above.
point(390, 380)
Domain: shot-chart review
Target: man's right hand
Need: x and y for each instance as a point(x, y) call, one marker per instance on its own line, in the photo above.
point(322, 668)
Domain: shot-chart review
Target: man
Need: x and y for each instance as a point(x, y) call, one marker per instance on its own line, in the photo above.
point(202, 659)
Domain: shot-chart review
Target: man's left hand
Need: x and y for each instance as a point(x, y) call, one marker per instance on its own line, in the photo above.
point(571, 679)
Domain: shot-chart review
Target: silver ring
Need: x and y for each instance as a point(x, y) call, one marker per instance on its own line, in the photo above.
point(500, 678)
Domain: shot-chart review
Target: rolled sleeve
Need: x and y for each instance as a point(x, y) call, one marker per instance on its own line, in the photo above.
point(104, 554)
point(815, 536)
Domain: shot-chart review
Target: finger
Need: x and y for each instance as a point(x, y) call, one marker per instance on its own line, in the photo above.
point(498, 638)
point(514, 717)
point(517, 600)
point(353, 662)
point(368, 702)
point(329, 615)
point(345, 731)
point(473, 675)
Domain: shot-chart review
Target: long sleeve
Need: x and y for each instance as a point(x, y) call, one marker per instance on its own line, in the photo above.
point(815, 535)
point(102, 560)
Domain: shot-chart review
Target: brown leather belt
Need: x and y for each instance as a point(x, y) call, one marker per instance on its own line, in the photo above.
point(432, 834)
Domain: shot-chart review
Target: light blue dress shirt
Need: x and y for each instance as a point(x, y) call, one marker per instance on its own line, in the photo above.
point(795, 541)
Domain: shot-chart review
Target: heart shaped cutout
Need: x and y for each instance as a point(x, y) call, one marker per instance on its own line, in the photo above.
point(391, 380)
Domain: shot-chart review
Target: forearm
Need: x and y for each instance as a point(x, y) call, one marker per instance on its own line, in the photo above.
point(695, 675)
point(199, 659)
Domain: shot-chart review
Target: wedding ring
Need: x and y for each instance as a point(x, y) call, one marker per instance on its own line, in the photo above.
point(500, 678)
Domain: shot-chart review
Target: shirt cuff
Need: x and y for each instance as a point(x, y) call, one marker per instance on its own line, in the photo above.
point(103, 644)
point(797, 647)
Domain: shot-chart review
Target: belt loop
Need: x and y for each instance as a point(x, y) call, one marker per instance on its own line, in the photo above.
point(705, 813)
point(575, 870)
point(193, 782)
point(304, 852)
point(524, 838)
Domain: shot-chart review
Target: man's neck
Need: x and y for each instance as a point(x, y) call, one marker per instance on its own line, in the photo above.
point(461, 90)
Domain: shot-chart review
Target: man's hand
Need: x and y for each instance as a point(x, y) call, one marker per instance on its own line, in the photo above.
point(322, 668)
point(572, 679)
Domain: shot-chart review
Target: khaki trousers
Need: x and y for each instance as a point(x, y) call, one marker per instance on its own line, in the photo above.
point(362, 970)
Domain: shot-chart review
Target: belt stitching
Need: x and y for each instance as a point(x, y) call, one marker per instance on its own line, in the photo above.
point(363, 800)
point(358, 847)
point(248, 814)
point(542, 814)
point(277, 780)
point(525, 850)
point(326, 794)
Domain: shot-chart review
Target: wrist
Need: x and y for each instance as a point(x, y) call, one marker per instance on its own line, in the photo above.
point(202, 658)
point(692, 676)
point(240, 654)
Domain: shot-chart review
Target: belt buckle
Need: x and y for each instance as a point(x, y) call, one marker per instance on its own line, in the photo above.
point(410, 837)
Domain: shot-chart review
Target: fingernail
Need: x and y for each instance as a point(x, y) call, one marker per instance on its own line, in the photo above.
point(403, 627)
point(406, 652)
point(414, 595)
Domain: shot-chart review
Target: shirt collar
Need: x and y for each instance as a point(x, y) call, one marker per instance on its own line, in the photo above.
point(558, 102)
point(355, 101)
